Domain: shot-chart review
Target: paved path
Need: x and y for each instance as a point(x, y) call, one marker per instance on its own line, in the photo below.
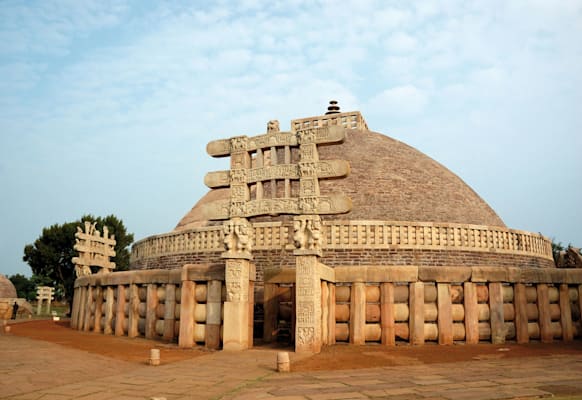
point(34, 370)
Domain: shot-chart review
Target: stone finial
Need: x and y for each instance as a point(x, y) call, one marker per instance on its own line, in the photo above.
point(273, 126)
point(333, 108)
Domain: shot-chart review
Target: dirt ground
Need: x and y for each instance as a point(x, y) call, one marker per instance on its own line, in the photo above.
point(331, 358)
point(117, 347)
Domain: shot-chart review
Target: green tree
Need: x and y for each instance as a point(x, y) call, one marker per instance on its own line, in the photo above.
point(556, 249)
point(50, 256)
point(25, 288)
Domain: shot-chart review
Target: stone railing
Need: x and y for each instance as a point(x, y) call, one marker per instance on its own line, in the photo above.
point(432, 236)
point(199, 239)
point(357, 235)
point(348, 120)
point(182, 305)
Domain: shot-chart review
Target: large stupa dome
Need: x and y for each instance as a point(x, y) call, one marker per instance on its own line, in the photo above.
point(407, 209)
point(391, 181)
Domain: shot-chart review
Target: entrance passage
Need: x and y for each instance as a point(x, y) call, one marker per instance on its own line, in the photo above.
point(277, 315)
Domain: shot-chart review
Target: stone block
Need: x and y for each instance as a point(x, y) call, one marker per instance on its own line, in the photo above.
point(202, 272)
point(376, 273)
point(496, 274)
point(444, 274)
point(279, 275)
point(236, 326)
point(325, 273)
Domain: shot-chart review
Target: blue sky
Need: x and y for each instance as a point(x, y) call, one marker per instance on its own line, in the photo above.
point(106, 107)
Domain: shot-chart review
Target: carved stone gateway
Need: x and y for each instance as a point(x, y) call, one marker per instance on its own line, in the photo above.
point(271, 174)
point(94, 250)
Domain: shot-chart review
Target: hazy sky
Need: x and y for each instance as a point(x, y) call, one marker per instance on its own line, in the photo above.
point(106, 107)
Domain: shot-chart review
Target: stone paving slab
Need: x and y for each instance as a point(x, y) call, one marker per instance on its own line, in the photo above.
point(34, 370)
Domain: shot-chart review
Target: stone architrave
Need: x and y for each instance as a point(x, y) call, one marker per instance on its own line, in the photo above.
point(94, 250)
point(307, 171)
point(308, 305)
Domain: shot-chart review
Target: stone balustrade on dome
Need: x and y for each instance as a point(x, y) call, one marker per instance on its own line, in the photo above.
point(356, 235)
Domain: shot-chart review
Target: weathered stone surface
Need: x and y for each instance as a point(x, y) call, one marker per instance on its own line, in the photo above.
point(444, 274)
point(236, 327)
point(7, 289)
point(471, 313)
point(387, 318)
point(416, 319)
point(545, 319)
point(94, 249)
point(323, 169)
point(497, 319)
point(445, 314)
point(308, 332)
point(358, 313)
point(325, 204)
point(376, 273)
point(496, 274)
point(279, 275)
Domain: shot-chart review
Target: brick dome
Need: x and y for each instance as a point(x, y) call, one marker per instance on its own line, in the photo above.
point(7, 289)
point(389, 181)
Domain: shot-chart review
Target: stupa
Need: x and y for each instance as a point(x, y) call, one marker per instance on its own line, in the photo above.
point(330, 232)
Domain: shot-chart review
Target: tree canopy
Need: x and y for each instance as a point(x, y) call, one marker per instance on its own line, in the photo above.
point(26, 287)
point(50, 255)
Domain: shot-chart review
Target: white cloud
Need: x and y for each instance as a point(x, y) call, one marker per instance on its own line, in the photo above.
point(149, 85)
point(400, 42)
point(399, 102)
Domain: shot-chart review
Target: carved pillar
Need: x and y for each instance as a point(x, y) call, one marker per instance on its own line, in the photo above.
point(236, 306)
point(308, 305)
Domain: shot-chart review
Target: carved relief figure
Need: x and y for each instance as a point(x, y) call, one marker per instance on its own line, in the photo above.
point(307, 233)
point(237, 233)
point(82, 270)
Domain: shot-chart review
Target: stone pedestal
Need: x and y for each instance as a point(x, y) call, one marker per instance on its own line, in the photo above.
point(236, 307)
point(308, 305)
